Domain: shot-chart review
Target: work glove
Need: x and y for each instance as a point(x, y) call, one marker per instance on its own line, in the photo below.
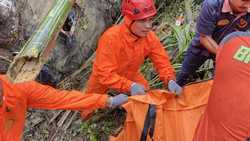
point(137, 89)
point(117, 100)
point(174, 87)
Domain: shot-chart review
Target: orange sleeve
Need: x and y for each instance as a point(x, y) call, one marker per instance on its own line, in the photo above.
point(106, 65)
point(46, 97)
point(161, 60)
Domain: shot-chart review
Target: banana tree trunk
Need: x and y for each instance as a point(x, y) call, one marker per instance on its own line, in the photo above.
point(37, 50)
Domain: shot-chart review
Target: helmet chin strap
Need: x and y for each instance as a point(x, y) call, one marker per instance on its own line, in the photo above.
point(131, 31)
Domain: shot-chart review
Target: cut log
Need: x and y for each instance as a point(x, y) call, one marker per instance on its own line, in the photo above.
point(37, 50)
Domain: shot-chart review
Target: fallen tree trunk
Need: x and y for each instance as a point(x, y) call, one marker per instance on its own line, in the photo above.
point(37, 50)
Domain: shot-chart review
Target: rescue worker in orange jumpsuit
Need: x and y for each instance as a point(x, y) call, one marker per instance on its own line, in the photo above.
point(16, 98)
point(227, 115)
point(123, 48)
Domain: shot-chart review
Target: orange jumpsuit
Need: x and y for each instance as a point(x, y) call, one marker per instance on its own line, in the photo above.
point(18, 97)
point(227, 117)
point(119, 57)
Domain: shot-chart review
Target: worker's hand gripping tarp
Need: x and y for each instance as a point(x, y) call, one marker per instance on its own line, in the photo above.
point(117, 100)
point(137, 89)
point(174, 87)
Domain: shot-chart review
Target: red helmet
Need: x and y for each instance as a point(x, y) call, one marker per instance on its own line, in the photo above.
point(138, 9)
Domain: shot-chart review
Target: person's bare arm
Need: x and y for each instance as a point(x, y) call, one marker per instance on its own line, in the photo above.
point(209, 43)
